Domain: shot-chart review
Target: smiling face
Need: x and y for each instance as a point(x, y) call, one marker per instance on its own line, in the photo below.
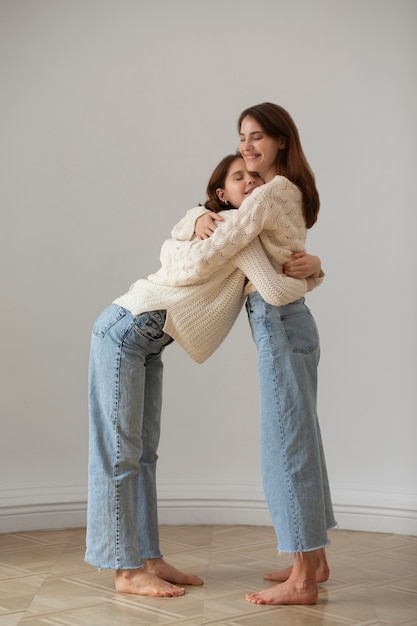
point(258, 149)
point(239, 183)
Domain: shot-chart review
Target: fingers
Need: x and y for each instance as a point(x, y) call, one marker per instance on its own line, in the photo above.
point(205, 235)
point(206, 225)
point(296, 269)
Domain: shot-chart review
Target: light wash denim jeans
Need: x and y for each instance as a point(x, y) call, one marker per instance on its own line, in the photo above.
point(292, 458)
point(125, 395)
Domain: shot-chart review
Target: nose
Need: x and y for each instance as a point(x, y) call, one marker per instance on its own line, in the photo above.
point(244, 144)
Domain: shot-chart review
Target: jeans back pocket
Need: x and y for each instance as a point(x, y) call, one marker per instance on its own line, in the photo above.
point(108, 318)
point(301, 331)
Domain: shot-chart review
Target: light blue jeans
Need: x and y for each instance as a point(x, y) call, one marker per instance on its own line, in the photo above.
point(125, 397)
point(294, 471)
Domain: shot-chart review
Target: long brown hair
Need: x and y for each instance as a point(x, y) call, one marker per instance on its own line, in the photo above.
point(218, 181)
point(291, 161)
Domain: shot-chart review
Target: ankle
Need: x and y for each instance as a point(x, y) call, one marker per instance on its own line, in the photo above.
point(125, 574)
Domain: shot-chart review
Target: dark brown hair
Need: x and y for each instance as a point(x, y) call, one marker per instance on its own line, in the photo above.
point(291, 161)
point(218, 181)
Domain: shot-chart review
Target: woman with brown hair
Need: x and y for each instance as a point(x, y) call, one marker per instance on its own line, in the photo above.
point(292, 457)
point(125, 388)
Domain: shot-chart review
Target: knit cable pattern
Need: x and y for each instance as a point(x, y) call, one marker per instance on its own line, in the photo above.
point(201, 284)
point(273, 210)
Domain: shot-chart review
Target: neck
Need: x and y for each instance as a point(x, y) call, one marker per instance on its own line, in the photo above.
point(269, 174)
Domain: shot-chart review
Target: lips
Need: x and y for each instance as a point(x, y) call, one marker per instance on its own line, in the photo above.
point(250, 158)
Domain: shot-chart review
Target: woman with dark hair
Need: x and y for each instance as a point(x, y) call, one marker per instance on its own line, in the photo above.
point(293, 464)
point(125, 387)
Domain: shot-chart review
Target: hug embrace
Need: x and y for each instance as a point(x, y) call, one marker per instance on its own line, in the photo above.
point(244, 247)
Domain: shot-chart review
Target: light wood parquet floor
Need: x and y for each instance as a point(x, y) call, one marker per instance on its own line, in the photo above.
point(45, 581)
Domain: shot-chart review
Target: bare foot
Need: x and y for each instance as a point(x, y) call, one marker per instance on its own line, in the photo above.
point(165, 571)
point(285, 593)
point(322, 570)
point(141, 583)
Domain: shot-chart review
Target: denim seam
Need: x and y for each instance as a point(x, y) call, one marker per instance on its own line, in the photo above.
point(283, 451)
point(117, 456)
point(117, 439)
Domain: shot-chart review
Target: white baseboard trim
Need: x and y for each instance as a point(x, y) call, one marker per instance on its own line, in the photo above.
point(42, 507)
point(375, 511)
point(55, 506)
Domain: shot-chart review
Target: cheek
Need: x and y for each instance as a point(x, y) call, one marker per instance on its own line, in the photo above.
point(237, 197)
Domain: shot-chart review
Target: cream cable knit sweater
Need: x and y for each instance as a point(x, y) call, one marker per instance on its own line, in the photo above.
point(201, 286)
point(273, 211)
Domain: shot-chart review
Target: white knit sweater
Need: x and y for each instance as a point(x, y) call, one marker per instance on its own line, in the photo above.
point(273, 211)
point(201, 284)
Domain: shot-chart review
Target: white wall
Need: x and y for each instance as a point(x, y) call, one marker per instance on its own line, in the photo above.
point(113, 114)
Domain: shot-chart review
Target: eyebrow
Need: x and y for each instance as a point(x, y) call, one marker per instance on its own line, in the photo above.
point(253, 132)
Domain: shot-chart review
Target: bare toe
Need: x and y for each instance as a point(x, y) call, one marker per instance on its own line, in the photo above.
point(285, 593)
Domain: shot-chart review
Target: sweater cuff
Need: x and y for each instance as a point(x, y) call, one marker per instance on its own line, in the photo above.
point(312, 283)
point(184, 230)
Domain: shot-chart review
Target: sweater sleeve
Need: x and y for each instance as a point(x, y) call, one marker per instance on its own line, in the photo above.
point(186, 262)
point(276, 289)
point(184, 230)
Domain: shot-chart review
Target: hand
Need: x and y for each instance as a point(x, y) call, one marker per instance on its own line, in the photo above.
point(303, 265)
point(205, 225)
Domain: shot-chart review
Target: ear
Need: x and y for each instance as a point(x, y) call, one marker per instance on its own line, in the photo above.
point(220, 193)
point(282, 142)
